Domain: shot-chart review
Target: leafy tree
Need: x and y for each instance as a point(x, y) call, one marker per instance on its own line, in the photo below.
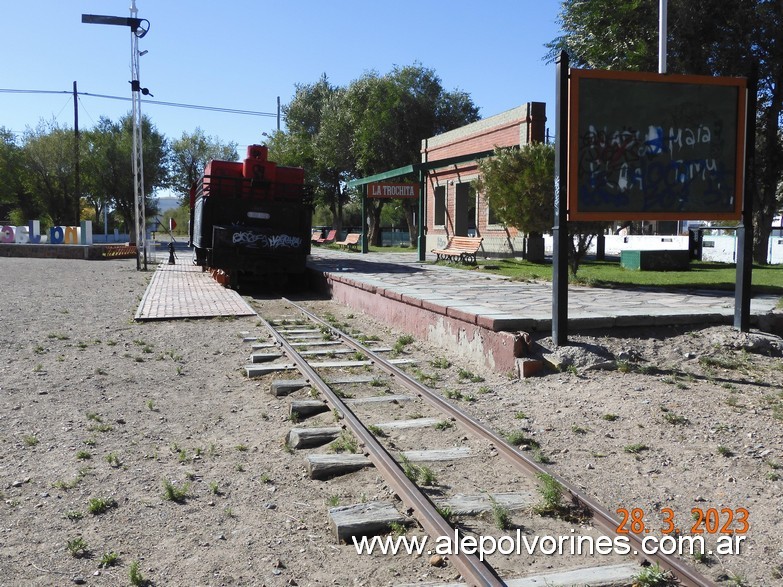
point(318, 139)
point(391, 115)
point(13, 197)
point(519, 186)
point(48, 157)
point(374, 125)
point(190, 155)
point(710, 37)
point(108, 174)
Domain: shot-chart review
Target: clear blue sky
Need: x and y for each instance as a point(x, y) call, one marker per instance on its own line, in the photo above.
point(243, 54)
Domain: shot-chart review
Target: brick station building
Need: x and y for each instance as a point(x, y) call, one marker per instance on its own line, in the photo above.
point(454, 208)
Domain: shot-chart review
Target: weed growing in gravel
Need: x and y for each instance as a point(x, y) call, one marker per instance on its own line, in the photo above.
point(214, 488)
point(610, 417)
point(420, 474)
point(518, 438)
point(636, 448)
point(551, 493)
point(576, 429)
point(99, 505)
point(241, 447)
point(113, 460)
point(333, 501)
point(520, 415)
point(397, 529)
point(453, 394)
point(725, 451)
point(540, 457)
point(444, 425)
point(90, 441)
point(30, 440)
point(441, 363)
point(377, 431)
point(501, 515)
point(77, 547)
point(73, 515)
point(109, 559)
point(265, 478)
point(653, 576)
point(465, 375)
point(176, 494)
point(83, 455)
point(445, 512)
point(344, 443)
point(101, 428)
point(673, 418)
point(134, 575)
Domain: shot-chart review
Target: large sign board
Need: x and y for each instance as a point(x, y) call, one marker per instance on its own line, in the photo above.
point(645, 146)
point(392, 190)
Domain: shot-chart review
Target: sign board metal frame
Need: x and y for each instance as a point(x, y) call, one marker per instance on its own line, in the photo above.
point(673, 84)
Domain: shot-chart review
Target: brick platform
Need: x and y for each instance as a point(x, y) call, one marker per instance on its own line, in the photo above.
point(184, 291)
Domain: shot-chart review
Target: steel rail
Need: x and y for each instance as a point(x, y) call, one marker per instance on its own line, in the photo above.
point(473, 570)
point(602, 517)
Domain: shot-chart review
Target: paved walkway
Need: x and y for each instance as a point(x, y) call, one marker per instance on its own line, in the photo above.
point(489, 301)
point(184, 291)
point(498, 303)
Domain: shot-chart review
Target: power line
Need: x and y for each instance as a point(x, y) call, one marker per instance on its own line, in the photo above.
point(155, 102)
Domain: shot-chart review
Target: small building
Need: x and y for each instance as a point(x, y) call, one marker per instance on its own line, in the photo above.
point(454, 208)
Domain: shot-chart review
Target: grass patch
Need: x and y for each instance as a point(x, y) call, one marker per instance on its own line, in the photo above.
point(636, 448)
point(176, 494)
point(346, 442)
point(766, 278)
point(100, 505)
point(77, 547)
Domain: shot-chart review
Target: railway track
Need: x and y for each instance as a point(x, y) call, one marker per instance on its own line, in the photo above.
point(399, 448)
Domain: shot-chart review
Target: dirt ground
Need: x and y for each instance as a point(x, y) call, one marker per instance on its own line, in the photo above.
point(100, 414)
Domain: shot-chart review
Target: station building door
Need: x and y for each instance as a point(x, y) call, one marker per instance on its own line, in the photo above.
point(465, 209)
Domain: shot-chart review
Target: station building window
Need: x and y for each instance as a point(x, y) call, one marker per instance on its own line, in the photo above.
point(439, 213)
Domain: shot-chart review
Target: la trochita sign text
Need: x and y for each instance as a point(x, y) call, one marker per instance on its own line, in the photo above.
point(393, 190)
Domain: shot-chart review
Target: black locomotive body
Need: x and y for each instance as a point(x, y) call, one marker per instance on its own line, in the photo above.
point(251, 220)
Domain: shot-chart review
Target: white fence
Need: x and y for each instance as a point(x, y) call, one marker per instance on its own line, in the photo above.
point(718, 248)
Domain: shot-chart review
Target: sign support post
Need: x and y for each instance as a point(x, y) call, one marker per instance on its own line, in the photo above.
point(422, 234)
point(742, 286)
point(560, 229)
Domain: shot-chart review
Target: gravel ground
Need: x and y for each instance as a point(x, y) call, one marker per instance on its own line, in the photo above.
point(102, 413)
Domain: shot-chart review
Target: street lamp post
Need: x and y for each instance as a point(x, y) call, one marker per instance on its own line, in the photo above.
point(138, 29)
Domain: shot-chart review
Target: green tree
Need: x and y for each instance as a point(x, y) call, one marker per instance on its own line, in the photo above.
point(318, 139)
point(14, 200)
point(709, 37)
point(190, 155)
point(48, 158)
point(392, 114)
point(519, 186)
point(107, 167)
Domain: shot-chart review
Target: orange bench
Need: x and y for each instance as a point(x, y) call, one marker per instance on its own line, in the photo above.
point(329, 238)
point(460, 248)
point(351, 240)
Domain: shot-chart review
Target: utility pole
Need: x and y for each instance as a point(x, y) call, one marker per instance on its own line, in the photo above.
point(76, 167)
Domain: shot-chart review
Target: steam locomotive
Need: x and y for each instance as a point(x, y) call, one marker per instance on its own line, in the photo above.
point(251, 220)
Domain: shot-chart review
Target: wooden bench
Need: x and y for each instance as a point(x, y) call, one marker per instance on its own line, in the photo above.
point(460, 248)
point(329, 238)
point(351, 241)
